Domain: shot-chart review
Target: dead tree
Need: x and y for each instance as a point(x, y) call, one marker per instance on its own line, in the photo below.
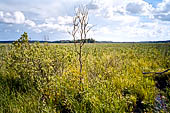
point(80, 31)
point(156, 72)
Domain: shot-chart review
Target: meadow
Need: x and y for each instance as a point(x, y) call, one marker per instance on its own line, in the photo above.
point(45, 78)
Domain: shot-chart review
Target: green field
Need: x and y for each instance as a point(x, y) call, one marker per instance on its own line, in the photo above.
point(45, 78)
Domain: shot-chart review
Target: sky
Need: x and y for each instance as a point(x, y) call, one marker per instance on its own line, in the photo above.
point(113, 20)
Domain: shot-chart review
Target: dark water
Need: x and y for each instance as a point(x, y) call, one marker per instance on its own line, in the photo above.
point(161, 103)
point(162, 100)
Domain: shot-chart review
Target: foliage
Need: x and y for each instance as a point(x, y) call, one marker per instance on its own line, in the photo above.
point(45, 77)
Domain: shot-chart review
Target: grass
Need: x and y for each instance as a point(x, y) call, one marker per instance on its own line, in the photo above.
point(45, 77)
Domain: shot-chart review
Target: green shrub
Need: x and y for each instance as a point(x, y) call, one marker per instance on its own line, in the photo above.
point(45, 77)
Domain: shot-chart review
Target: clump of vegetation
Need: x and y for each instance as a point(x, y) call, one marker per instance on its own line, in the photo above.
point(46, 78)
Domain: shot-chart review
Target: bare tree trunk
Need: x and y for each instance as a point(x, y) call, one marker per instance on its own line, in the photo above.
point(80, 60)
point(79, 33)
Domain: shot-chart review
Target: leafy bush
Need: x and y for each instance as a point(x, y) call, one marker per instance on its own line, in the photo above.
point(46, 78)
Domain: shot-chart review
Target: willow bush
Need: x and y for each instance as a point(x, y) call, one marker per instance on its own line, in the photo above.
point(45, 77)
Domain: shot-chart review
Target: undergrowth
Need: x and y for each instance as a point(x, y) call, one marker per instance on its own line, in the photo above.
point(45, 78)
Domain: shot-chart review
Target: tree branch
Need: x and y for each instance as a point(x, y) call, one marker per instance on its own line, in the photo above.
point(156, 72)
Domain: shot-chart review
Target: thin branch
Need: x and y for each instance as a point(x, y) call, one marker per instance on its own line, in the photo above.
point(156, 72)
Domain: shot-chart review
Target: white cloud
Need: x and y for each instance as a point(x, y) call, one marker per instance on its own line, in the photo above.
point(92, 6)
point(15, 18)
point(124, 19)
point(30, 23)
point(139, 7)
point(131, 20)
point(64, 20)
point(104, 30)
point(57, 27)
point(112, 7)
point(17, 30)
point(162, 11)
point(50, 20)
point(19, 17)
point(116, 20)
point(61, 24)
point(164, 6)
point(37, 30)
point(1, 14)
point(142, 31)
point(8, 14)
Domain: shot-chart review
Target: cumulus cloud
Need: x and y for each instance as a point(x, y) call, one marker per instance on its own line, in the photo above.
point(30, 23)
point(163, 17)
point(121, 7)
point(64, 20)
point(116, 20)
point(104, 30)
point(135, 18)
point(164, 6)
point(163, 11)
point(19, 17)
point(50, 20)
point(92, 6)
point(37, 30)
point(60, 24)
point(57, 27)
point(16, 17)
point(138, 32)
point(139, 7)
point(126, 14)
point(124, 19)
point(51, 23)
point(1, 14)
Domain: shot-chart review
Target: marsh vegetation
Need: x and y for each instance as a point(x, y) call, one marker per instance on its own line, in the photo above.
point(46, 78)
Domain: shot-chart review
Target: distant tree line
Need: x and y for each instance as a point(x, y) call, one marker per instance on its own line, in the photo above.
point(90, 40)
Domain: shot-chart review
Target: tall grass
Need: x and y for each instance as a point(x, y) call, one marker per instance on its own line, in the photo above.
point(45, 78)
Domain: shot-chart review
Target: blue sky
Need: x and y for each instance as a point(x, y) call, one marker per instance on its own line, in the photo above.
point(114, 20)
